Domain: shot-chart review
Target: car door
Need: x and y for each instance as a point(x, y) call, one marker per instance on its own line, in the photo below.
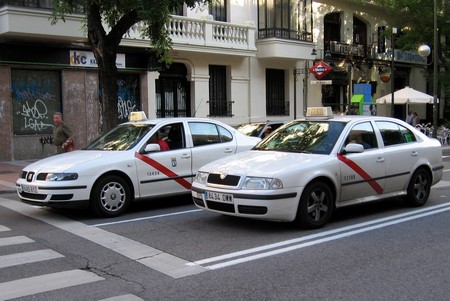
point(166, 172)
point(210, 142)
point(401, 151)
point(362, 174)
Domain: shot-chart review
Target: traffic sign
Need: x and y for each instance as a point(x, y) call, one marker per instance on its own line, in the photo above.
point(320, 70)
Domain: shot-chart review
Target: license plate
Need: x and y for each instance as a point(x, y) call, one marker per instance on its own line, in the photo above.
point(29, 189)
point(218, 197)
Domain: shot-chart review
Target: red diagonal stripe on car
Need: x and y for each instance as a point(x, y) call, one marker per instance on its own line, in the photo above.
point(378, 189)
point(164, 170)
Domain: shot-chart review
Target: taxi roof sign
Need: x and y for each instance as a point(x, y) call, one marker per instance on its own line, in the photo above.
point(319, 112)
point(137, 116)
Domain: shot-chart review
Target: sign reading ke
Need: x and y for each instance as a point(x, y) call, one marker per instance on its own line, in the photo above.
point(320, 70)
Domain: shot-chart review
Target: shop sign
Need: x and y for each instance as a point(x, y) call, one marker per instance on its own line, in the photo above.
point(79, 58)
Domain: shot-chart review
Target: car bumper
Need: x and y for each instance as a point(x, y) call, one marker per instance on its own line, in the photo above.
point(264, 205)
point(73, 195)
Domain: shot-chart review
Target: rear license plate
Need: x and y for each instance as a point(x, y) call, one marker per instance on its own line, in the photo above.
point(29, 189)
point(218, 197)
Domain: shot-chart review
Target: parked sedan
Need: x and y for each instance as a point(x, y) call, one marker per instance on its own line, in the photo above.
point(130, 162)
point(312, 166)
point(260, 129)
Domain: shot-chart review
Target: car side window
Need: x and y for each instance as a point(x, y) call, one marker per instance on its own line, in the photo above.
point(175, 136)
point(225, 135)
point(394, 133)
point(204, 133)
point(363, 134)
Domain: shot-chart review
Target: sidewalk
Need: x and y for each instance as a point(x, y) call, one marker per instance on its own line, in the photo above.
point(9, 172)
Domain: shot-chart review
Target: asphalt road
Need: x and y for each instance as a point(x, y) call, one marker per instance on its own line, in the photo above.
point(170, 250)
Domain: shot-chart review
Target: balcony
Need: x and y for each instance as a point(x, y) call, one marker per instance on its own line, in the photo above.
point(30, 22)
point(202, 35)
point(347, 49)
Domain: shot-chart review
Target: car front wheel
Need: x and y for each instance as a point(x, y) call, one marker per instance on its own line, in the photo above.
point(316, 206)
point(111, 196)
point(419, 188)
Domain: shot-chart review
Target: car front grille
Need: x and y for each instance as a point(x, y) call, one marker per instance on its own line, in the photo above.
point(225, 180)
point(255, 210)
point(199, 202)
point(33, 196)
point(220, 206)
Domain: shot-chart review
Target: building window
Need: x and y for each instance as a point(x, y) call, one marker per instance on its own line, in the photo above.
point(275, 100)
point(219, 10)
point(285, 19)
point(219, 105)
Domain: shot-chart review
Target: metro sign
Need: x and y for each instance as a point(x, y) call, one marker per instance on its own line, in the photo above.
point(320, 70)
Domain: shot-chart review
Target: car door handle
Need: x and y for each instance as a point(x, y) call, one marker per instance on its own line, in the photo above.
point(228, 150)
point(185, 156)
point(414, 154)
point(380, 160)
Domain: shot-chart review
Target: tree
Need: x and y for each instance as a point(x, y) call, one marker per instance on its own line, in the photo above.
point(118, 16)
point(414, 18)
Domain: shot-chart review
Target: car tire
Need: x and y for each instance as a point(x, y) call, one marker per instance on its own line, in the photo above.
point(110, 197)
point(316, 206)
point(419, 188)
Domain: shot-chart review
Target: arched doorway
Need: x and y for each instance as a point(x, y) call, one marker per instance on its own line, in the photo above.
point(173, 92)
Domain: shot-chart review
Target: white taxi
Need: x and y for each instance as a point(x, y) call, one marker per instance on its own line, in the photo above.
point(127, 163)
point(313, 165)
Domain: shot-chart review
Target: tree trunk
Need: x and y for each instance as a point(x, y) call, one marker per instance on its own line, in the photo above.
point(105, 52)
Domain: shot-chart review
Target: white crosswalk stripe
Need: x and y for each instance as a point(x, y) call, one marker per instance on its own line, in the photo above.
point(44, 283)
point(41, 283)
point(3, 228)
point(15, 240)
point(27, 257)
point(127, 297)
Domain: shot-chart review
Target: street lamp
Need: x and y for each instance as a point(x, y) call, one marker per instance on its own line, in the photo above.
point(425, 51)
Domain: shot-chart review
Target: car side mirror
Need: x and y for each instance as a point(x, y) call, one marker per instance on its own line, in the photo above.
point(151, 147)
point(353, 148)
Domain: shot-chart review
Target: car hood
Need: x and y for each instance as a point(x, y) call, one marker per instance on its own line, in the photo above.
point(66, 161)
point(262, 163)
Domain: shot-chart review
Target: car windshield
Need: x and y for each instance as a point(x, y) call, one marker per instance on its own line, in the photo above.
point(304, 136)
point(251, 129)
point(123, 137)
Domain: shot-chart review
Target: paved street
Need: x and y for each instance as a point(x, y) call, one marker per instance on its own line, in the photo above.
point(170, 250)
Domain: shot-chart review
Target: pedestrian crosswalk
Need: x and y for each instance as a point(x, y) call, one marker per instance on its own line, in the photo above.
point(28, 286)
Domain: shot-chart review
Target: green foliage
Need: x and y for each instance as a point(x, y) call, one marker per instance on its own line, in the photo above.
point(415, 19)
point(118, 16)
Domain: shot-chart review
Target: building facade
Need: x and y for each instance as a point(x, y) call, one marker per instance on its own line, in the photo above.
point(238, 61)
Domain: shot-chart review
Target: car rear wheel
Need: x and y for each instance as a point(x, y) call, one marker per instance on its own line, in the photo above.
point(316, 206)
point(419, 188)
point(111, 196)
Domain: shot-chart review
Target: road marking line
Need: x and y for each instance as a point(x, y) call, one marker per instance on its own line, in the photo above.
point(441, 184)
point(127, 297)
point(44, 283)
point(147, 217)
point(3, 228)
point(332, 235)
point(8, 184)
point(153, 258)
point(15, 240)
point(27, 257)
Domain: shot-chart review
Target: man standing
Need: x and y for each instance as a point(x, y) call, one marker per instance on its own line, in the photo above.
point(410, 117)
point(62, 135)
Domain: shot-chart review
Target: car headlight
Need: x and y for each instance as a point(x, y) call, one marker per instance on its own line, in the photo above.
point(201, 177)
point(252, 183)
point(61, 176)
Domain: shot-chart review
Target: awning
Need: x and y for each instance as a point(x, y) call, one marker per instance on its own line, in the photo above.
point(359, 98)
